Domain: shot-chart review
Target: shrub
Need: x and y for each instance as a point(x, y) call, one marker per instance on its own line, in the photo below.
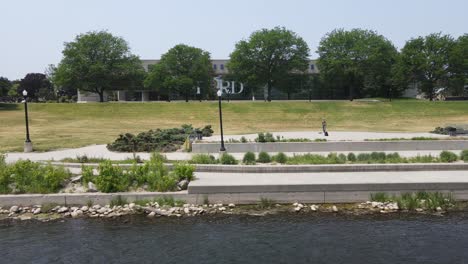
point(4, 176)
point(184, 171)
point(243, 139)
point(269, 137)
point(464, 155)
point(378, 157)
point(332, 158)
point(308, 159)
point(342, 158)
point(249, 158)
point(163, 184)
point(260, 138)
point(161, 140)
point(264, 157)
point(351, 157)
point(87, 174)
point(280, 158)
point(363, 157)
point(265, 203)
point(423, 159)
point(448, 156)
point(207, 131)
point(203, 159)
point(33, 177)
point(227, 159)
point(82, 159)
point(380, 197)
point(111, 178)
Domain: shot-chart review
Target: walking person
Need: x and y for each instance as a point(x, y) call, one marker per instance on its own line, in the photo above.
point(324, 127)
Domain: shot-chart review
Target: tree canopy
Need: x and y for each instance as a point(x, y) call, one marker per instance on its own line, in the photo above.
point(38, 87)
point(425, 60)
point(98, 61)
point(268, 56)
point(181, 70)
point(458, 65)
point(5, 86)
point(360, 61)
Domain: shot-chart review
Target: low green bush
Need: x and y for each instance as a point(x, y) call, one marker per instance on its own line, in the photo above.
point(351, 157)
point(423, 159)
point(280, 158)
point(243, 139)
point(184, 171)
point(380, 197)
point(263, 157)
point(111, 178)
point(26, 176)
point(4, 176)
point(161, 140)
point(448, 156)
point(464, 155)
point(227, 159)
point(308, 159)
point(265, 203)
point(87, 174)
point(265, 137)
point(249, 158)
point(424, 200)
point(203, 159)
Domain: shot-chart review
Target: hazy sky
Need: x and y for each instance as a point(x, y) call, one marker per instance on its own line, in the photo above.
point(32, 32)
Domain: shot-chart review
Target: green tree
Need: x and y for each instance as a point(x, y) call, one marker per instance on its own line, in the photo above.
point(359, 61)
point(268, 56)
point(292, 83)
point(425, 60)
point(181, 70)
point(458, 61)
point(5, 86)
point(38, 87)
point(98, 61)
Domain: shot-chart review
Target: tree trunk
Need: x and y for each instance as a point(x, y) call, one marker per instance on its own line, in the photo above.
point(186, 97)
point(269, 91)
point(101, 96)
point(289, 95)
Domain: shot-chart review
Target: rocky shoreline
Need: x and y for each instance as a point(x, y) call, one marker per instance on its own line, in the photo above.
point(153, 210)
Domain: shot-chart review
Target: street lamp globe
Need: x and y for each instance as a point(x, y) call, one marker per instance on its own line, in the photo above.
point(219, 93)
point(25, 93)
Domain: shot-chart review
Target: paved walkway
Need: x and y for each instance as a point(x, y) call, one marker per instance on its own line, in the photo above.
point(208, 182)
point(100, 151)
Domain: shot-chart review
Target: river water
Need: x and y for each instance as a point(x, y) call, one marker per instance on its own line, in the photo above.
point(240, 239)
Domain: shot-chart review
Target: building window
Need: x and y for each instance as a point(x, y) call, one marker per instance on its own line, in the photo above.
point(221, 66)
point(214, 66)
point(312, 67)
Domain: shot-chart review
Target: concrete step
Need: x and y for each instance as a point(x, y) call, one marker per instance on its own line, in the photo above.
point(400, 181)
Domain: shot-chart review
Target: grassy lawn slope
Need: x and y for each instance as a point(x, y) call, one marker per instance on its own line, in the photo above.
point(55, 126)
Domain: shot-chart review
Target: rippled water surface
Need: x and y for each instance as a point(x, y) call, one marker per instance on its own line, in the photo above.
point(239, 239)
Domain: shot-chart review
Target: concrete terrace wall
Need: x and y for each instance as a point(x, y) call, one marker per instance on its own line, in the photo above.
point(412, 145)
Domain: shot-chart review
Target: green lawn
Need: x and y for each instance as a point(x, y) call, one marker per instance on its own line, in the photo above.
point(55, 126)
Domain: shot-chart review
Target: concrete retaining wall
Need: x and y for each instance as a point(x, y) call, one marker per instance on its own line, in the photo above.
point(309, 168)
point(409, 145)
point(225, 198)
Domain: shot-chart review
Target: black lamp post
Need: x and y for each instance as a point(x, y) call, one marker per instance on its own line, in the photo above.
point(220, 93)
point(27, 142)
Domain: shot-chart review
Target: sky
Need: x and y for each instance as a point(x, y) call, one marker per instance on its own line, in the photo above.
point(33, 32)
